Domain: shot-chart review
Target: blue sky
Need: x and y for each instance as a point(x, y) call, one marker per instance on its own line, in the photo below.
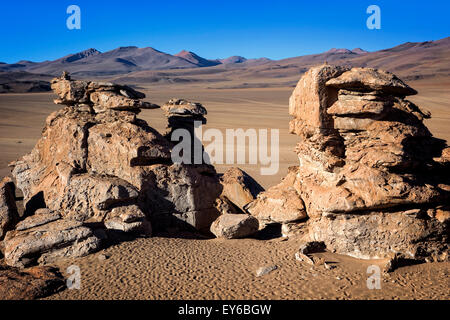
point(36, 30)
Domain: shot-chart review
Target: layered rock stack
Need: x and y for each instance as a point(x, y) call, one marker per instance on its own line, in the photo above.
point(372, 181)
point(189, 116)
point(99, 169)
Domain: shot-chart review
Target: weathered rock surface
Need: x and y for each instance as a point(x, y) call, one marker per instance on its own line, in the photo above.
point(182, 194)
point(371, 175)
point(101, 96)
point(183, 107)
point(40, 217)
point(377, 235)
point(369, 79)
point(239, 187)
point(223, 205)
point(29, 284)
point(8, 209)
point(129, 219)
point(46, 243)
point(234, 226)
point(279, 204)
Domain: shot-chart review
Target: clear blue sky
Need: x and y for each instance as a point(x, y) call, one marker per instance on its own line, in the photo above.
point(36, 30)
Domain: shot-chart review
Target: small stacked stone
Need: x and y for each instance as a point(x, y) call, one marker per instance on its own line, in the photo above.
point(98, 97)
point(183, 114)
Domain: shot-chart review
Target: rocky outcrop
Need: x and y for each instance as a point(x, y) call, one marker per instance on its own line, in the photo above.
point(279, 204)
point(98, 167)
point(8, 209)
point(234, 226)
point(224, 206)
point(180, 194)
point(239, 187)
point(373, 179)
point(44, 243)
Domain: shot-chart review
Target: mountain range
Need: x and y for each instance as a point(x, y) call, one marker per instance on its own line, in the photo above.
point(122, 60)
point(411, 60)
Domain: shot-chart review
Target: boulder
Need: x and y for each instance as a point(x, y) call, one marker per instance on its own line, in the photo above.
point(181, 107)
point(224, 206)
point(279, 204)
point(48, 242)
point(128, 219)
point(88, 196)
point(100, 96)
point(70, 92)
point(311, 96)
point(377, 235)
point(104, 100)
point(9, 215)
point(239, 187)
point(182, 195)
point(234, 226)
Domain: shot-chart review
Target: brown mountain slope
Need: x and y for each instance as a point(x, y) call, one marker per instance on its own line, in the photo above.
point(411, 61)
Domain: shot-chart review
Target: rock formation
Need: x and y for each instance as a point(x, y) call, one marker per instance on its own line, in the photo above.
point(279, 204)
point(371, 177)
point(8, 209)
point(188, 116)
point(98, 167)
point(234, 226)
point(239, 187)
point(372, 181)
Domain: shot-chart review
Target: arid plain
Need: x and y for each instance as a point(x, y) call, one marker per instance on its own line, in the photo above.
point(183, 268)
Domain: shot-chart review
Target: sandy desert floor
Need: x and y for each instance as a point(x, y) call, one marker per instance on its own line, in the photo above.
point(167, 268)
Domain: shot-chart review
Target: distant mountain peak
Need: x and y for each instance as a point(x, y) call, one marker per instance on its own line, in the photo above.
point(25, 62)
point(359, 51)
point(81, 55)
point(196, 59)
point(339, 50)
point(127, 47)
point(233, 59)
point(346, 51)
point(184, 52)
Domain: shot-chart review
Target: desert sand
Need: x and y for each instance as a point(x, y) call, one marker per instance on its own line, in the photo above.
point(183, 268)
point(165, 268)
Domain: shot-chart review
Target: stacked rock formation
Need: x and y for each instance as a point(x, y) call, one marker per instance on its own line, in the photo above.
point(98, 167)
point(188, 116)
point(373, 180)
